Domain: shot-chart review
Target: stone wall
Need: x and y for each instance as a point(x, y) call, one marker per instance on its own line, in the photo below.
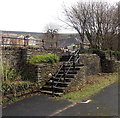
point(38, 51)
point(108, 62)
point(110, 66)
point(110, 56)
point(17, 55)
point(117, 66)
point(92, 62)
point(78, 81)
point(41, 72)
point(91, 66)
point(17, 58)
point(14, 56)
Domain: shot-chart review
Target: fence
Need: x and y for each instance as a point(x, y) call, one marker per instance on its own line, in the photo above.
point(23, 42)
point(26, 41)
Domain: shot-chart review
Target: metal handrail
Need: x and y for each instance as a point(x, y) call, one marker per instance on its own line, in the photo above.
point(75, 62)
point(61, 68)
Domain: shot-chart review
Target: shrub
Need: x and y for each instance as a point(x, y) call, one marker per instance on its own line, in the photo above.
point(8, 73)
point(94, 49)
point(108, 51)
point(47, 58)
point(117, 52)
point(13, 87)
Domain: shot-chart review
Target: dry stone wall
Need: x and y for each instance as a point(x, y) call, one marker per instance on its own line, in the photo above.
point(45, 72)
point(91, 66)
point(14, 56)
point(17, 58)
point(19, 54)
point(78, 81)
point(92, 62)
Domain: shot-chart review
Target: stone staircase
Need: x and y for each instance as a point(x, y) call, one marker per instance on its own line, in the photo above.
point(62, 78)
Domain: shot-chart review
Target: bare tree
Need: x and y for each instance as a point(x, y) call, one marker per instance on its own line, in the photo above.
point(51, 30)
point(96, 20)
point(77, 17)
point(51, 34)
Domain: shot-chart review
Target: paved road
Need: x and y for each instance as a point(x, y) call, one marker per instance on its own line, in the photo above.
point(103, 103)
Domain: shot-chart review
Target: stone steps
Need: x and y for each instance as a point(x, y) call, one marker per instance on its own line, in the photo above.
point(56, 88)
point(59, 84)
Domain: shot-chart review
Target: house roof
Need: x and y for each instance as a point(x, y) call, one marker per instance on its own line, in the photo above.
point(71, 40)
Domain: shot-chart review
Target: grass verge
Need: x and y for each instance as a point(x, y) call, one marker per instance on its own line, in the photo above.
point(93, 85)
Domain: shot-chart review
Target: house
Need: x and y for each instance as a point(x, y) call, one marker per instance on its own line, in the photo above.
point(6, 39)
point(20, 40)
point(29, 41)
point(33, 41)
point(73, 41)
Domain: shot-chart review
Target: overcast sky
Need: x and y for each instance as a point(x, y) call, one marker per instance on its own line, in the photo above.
point(33, 15)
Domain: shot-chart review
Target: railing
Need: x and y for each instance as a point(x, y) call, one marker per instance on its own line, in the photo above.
point(74, 61)
point(23, 42)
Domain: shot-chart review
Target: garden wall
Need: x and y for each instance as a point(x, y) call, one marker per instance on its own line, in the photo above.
point(91, 66)
point(16, 55)
point(92, 62)
point(41, 72)
point(78, 81)
point(19, 54)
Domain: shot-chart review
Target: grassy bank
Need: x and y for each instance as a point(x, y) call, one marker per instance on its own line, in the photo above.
point(93, 85)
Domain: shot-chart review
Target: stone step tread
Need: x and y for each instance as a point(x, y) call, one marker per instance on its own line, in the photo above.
point(61, 79)
point(58, 82)
point(71, 68)
point(75, 65)
point(68, 73)
point(50, 92)
point(54, 87)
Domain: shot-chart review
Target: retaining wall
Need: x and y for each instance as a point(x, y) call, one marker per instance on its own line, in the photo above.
point(92, 62)
point(17, 58)
point(78, 81)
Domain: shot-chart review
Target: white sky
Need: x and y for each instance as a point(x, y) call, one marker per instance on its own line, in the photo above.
point(32, 15)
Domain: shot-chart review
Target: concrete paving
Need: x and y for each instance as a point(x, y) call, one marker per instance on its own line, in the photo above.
point(104, 103)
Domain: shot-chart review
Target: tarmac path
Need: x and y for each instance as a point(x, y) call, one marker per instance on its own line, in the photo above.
point(105, 103)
